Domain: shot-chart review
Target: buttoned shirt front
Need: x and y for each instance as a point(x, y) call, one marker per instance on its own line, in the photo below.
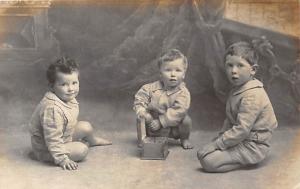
point(52, 125)
point(171, 106)
point(249, 115)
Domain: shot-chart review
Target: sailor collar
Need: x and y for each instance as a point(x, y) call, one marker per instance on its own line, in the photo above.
point(51, 96)
point(160, 86)
point(247, 86)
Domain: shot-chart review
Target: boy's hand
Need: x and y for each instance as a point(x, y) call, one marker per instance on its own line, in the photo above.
point(155, 125)
point(207, 149)
point(141, 114)
point(68, 165)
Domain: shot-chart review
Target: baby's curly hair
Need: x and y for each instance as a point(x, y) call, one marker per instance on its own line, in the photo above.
point(245, 50)
point(171, 55)
point(64, 65)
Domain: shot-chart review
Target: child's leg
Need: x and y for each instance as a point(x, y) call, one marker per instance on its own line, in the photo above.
point(184, 132)
point(78, 150)
point(84, 131)
point(218, 161)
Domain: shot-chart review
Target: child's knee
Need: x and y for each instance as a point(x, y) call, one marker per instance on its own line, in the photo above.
point(187, 121)
point(199, 154)
point(85, 127)
point(80, 152)
point(207, 164)
point(83, 150)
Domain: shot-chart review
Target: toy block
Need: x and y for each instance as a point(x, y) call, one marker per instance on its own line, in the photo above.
point(151, 147)
point(154, 148)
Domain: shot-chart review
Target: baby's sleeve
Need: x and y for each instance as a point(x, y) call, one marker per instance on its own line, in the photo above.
point(142, 99)
point(176, 113)
point(248, 111)
point(53, 126)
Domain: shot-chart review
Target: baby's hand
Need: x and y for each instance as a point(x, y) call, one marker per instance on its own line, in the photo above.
point(148, 118)
point(141, 114)
point(155, 125)
point(68, 165)
point(145, 115)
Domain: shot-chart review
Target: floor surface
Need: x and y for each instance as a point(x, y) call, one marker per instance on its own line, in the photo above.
point(119, 167)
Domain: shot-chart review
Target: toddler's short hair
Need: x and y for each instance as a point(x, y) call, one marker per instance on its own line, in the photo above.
point(64, 65)
point(171, 55)
point(244, 50)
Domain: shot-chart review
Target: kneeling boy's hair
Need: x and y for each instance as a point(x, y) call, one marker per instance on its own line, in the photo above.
point(245, 50)
point(64, 65)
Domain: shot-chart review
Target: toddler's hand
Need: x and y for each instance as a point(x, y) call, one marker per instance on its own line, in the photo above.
point(155, 125)
point(141, 114)
point(145, 115)
point(148, 118)
point(68, 165)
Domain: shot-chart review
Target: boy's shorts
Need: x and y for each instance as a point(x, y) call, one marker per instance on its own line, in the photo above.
point(248, 152)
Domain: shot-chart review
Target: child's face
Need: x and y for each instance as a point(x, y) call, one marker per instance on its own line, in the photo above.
point(172, 73)
point(238, 70)
point(66, 86)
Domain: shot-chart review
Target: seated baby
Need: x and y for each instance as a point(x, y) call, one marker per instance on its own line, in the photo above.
point(56, 134)
point(164, 104)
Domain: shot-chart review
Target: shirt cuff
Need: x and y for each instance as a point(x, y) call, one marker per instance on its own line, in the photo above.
point(140, 110)
point(220, 144)
point(61, 159)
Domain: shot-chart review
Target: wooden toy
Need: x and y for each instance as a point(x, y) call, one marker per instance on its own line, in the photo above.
point(152, 148)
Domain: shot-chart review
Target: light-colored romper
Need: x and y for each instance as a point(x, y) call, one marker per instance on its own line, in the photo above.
point(51, 126)
point(170, 107)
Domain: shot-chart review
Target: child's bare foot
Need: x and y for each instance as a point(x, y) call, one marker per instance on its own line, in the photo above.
point(186, 144)
point(97, 141)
